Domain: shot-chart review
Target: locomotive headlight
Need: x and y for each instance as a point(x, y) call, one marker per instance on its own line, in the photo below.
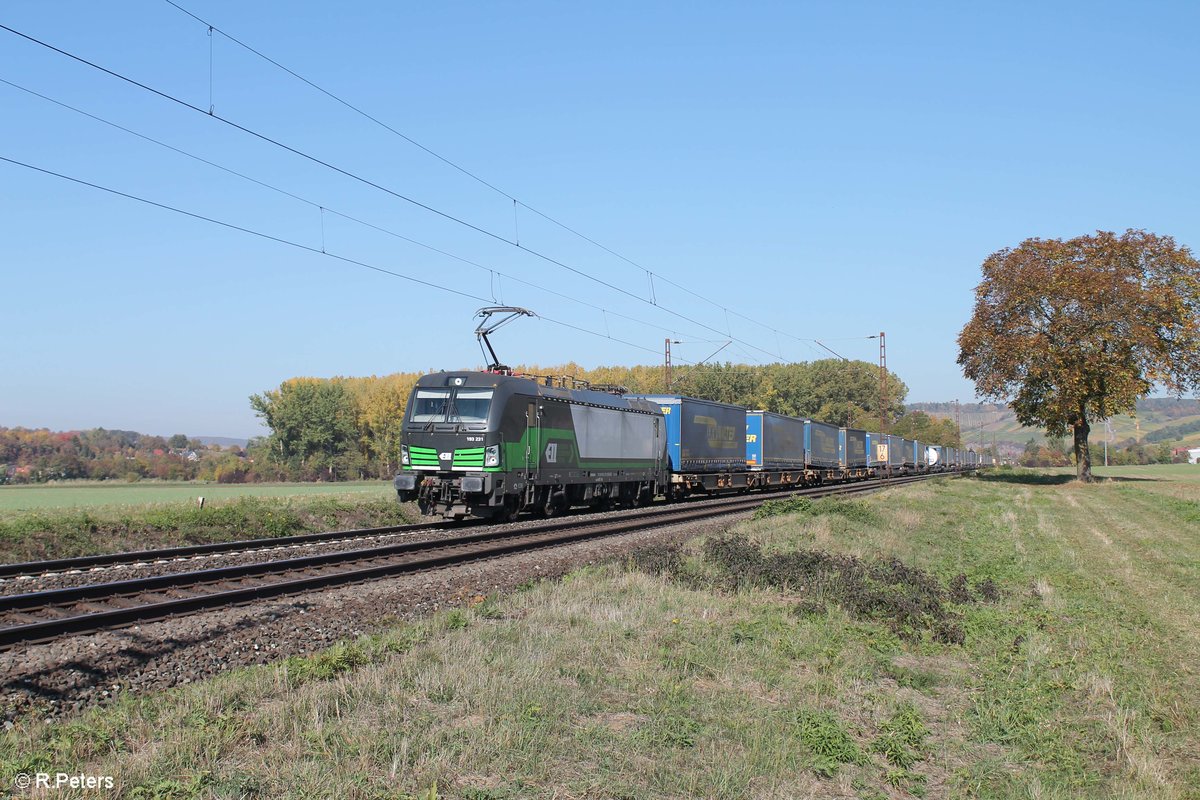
point(491, 456)
point(404, 455)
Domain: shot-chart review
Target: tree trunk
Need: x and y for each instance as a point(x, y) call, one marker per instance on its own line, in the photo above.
point(1083, 456)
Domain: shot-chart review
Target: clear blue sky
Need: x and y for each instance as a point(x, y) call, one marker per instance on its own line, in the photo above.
point(829, 170)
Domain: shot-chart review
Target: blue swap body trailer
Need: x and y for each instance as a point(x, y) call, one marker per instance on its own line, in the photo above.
point(852, 452)
point(821, 450)
point(706, 456)
point(706, 444)
point(776, 451)
point(774, 441)
point(895, 453)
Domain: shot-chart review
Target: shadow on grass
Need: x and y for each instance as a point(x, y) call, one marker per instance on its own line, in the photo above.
point(1039, 479)
point(1033, 478)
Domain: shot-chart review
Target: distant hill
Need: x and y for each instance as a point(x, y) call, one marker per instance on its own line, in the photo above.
point(1158, 419)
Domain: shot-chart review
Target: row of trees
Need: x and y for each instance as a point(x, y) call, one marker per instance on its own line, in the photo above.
point(343, 428)
point(1054, 454)
point(332, 428)
point(39, 455)
point(927, 429)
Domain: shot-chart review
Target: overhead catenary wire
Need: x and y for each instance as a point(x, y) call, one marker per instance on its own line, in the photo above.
point(366, 181)
point(651, 274)
point(302, 246)
point(494, 274)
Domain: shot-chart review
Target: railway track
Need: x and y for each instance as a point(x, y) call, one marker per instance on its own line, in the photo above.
point(103, 561)
point(47, 615)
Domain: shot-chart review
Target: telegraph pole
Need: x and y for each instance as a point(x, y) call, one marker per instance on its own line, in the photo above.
point(957, 421)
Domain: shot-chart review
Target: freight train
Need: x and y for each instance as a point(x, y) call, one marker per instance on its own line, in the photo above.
point(494, 444)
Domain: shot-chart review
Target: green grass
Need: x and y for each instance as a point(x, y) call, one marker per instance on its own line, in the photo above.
point(88, 494)
point(1189, 473)
point(676, 675)
point(62, 533)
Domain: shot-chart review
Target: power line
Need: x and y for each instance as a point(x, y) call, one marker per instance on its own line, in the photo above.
point(349, 105)
point(326, 209)
point(263, 137)
point(301, 246)
point(516, 201)
point(839, 355)
point(472, 175)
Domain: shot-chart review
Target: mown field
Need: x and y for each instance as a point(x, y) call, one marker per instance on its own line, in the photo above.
point(87, 494)
point(1164, 475)
point(1015, 636)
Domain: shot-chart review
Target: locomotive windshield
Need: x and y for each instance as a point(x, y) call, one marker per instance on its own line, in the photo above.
point(470, 406)
point(429, 405)
point(465, 406)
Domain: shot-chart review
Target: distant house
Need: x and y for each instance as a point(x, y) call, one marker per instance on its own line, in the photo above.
point(1194, 455)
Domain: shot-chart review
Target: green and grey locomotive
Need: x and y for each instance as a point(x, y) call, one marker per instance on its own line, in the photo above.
point(488, 444)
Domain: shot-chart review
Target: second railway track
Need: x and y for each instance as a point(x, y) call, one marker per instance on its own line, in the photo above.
point(29, 569)
point(48, 615)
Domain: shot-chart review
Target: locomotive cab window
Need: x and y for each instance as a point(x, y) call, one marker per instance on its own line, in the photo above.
point(471, 406)
point(430, 405)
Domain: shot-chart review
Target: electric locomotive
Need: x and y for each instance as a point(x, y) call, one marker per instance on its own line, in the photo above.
point(492, 444)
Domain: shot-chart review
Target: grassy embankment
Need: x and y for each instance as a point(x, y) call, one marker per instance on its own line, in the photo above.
point(23, 498)
point(1035, 638)
point(59, 521)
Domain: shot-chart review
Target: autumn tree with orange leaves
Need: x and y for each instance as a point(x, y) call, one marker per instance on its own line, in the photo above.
point(1077, 330)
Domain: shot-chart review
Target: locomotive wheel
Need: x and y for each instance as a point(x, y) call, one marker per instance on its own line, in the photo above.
point(553, 503)
point(641, 497)
point(509, 511)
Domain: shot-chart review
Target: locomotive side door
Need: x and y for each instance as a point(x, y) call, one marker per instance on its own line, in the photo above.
point(658, 449)
point(533, 439)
